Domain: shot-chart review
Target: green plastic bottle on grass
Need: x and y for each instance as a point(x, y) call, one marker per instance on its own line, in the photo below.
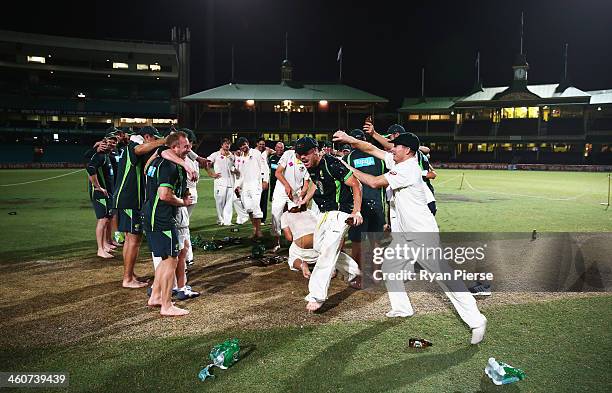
point(225, 354)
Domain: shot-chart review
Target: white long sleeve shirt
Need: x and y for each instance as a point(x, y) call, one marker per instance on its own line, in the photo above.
point(253, 170)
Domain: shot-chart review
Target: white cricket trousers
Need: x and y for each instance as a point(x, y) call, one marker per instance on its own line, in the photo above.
point(223, 201)
point(279, 200)
point(251, 198)
point(455, 290)
point(241, 215)
point(328, 236)
point(189, 256)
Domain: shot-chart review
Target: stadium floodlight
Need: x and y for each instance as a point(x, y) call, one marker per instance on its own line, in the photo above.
point(81, 95)
point(323, 103)
point(155, 67)
point(121, 66)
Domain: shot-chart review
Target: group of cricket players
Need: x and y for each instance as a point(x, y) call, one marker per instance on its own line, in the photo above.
point(318, 196)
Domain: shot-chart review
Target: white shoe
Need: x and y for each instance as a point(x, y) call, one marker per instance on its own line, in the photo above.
point(399, 314)
point(478, 333)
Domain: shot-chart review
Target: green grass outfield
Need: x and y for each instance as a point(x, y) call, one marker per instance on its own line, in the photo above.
point(54, 217)
point(563, 345)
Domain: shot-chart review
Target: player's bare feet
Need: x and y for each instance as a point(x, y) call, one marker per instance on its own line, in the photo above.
point(173, 312)
point(105, 254)
point(155, 303)
point(313, 306)
point(110, 246)
point(134, 284)
point(305, 270)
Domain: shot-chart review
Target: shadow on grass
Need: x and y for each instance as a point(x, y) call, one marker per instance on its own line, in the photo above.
point(326, 372)
point(59, 251)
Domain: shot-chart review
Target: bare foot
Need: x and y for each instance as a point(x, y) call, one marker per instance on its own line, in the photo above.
point(105, 254)
point(173, 312)
point(155, 303)
point(110, 245)
point(114, 243)
point(134, 284)
point(305, 270)
point(313, 306)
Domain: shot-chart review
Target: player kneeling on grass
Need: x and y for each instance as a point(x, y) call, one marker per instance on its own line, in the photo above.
point(166, 185)
point(298, 225)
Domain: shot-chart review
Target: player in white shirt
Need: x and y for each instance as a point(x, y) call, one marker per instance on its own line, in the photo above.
point(292, 185)
point(222, 162)
point(413, 217)
point(299, 224)
point(253, 179)
point(241, 215)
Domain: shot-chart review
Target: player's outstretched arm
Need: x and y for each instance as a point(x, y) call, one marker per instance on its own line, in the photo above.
point(369, 180)
point(343, 137)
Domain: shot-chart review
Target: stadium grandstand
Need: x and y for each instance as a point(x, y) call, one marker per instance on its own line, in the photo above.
point(517, 124)
point(282, 111)
point(59, 94)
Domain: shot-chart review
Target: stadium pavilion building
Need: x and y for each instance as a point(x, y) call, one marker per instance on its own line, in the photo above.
point(282, 111)
point(520, 123)
point(58, 92)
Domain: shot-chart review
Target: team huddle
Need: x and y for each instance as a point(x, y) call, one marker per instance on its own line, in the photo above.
point(318, 195)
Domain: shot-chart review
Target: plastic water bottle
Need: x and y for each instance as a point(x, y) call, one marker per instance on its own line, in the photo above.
point(502, 373)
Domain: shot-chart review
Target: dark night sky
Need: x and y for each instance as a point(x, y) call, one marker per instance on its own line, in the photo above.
point(384, 46)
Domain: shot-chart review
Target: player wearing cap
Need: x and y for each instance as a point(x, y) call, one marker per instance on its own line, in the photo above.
point(254, 176)
point(167, 190)
point(338, 196)
point(299, 225)
point(386, 141)
point(292, 184)
point(373, 200)
point(99, 171)
point(413, 217)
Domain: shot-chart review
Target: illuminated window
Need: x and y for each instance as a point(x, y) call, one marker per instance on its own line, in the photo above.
point(135, 120)
point(121, 66)
point(108, 121)
point(155, 67)
point(413, 117)
point(533, 112)
point(142, 67)
point(36, 59)
point(164, 121)
point(545, 113)
point(521, 112)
